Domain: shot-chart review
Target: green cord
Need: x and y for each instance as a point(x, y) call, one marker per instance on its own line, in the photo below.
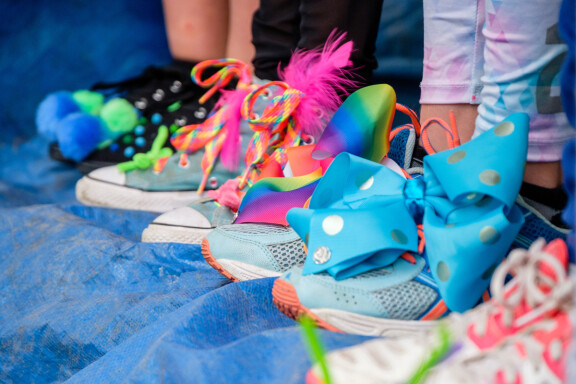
point(148, 159)
point(314, 346)
point(436, 355)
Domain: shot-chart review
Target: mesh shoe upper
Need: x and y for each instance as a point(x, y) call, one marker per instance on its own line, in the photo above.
point(383, 293)
point(268, 246)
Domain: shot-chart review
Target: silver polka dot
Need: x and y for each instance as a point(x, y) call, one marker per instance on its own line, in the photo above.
point(332, 224)
point(490, 177)
point(398, 236)
point(321, 255)
point(443, 271)
point(364, 180)
point(504, 129)
point(471, 196)
point(456, 157)
point(489, 235)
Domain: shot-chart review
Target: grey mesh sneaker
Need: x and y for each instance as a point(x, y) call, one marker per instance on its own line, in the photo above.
point(252, 251)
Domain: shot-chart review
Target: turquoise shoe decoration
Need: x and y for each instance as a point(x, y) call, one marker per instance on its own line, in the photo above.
point(363, 216)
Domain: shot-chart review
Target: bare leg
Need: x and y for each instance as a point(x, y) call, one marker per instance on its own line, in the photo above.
point(197, 29)
point(465, 115)
point(240, 33)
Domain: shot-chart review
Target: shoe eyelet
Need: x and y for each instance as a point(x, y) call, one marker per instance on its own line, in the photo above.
point(266, 95)
point(213, 182)
point(200, 113)
point(181, 121)
point(141, 103)
point(310, 140)
point(158, 95)
point(176, 86)
point(186, 165)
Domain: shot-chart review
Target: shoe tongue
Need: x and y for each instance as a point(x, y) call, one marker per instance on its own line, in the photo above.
point(558, 249)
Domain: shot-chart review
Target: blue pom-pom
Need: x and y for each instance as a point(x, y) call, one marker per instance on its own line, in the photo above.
point(52, 110)
point(79, 134)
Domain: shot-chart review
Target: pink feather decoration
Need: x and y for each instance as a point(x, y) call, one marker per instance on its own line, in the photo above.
point(322, 75)
point(232, 101)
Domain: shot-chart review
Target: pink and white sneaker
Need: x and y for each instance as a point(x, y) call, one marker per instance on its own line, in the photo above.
point(521, 335)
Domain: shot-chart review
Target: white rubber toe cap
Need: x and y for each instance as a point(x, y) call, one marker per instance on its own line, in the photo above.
point(183, 217)
point(109, 175)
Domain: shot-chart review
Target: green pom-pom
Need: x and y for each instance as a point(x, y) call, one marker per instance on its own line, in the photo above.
point(119, 115)
point(90, 102)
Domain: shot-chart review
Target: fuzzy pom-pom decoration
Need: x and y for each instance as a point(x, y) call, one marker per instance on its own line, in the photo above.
point(120, 117)
point(79, 134)
point(52, 110)
point(323, 74)
point(89, 101)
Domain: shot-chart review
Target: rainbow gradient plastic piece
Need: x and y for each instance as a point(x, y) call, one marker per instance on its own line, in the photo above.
point(361, 126)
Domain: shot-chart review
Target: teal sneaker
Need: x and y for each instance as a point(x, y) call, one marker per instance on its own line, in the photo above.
point(386, 301)
point(265, 252)
point(192, 223)
point(252, 251)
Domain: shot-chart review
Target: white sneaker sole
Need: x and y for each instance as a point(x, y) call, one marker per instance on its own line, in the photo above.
point(371, 326)
point(158, 233)
point(244, 271)
point(102, 194)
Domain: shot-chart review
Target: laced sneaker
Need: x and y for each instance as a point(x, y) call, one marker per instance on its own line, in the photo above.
point(124, 115)
point(160, 180)
point(308, 102)
point(272, 249)
point(210, 153)
point(520, 335)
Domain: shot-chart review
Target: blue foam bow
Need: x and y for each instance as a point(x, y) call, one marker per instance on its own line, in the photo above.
point(363, 215)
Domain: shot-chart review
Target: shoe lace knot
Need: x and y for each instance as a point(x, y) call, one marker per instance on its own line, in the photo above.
point(275, 130)
point(148, 159)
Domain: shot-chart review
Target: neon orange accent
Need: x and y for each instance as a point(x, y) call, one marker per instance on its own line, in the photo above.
point(436, 312)
point(408, 257)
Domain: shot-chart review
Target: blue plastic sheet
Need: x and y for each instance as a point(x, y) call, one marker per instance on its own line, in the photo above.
point(81, 298)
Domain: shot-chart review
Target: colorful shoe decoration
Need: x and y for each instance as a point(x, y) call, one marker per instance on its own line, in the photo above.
point(304, 169)
point(519, 336)
point(248, 251)
point(276, 113)
point(159, 181)
point(345, 205)
point(85, 122)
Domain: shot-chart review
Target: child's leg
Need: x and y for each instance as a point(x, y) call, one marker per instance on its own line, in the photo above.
point(275, 33)
point(453, 64)
point(523, 57)
point(197, 30)
point(358, 18)
point(239, 43)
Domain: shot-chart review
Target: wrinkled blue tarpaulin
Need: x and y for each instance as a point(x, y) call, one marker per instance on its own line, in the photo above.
point(81, 298)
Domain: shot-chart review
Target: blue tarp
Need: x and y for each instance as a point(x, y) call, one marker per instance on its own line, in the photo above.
point(81, 298)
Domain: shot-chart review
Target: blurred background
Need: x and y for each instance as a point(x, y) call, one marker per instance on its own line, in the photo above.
point(50, 45)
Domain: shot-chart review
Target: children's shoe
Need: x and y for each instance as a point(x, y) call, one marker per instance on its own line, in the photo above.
point(432, 220)
point(267, 110)
point(269, 254)
point(159, 181)
point(126, 114)
point(520, 335)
